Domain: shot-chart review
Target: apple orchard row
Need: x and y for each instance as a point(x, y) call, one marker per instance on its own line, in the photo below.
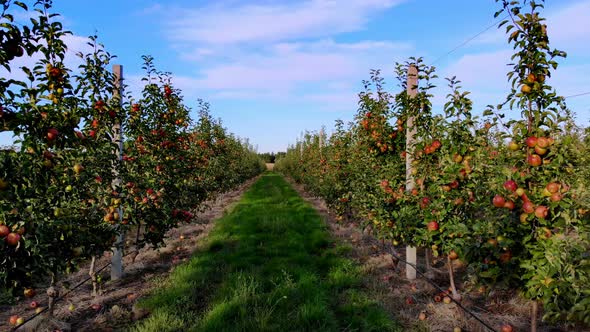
point(64, 192)
point(507, 195)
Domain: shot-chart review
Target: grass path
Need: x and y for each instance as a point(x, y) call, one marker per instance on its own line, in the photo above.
point(269, 265)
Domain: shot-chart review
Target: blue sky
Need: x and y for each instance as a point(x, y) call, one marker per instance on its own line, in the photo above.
point(272, 69)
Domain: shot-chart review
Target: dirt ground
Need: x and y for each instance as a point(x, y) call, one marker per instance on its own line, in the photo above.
point(406, 300)
point(114, 307)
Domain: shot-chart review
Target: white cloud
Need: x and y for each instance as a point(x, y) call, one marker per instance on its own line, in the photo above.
point(568, 28)
point(223, 23)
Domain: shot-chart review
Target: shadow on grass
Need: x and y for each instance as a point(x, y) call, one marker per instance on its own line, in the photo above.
point(269, 265)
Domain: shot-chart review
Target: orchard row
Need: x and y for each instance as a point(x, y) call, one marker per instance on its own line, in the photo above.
point(509, 198)
point(67, 187)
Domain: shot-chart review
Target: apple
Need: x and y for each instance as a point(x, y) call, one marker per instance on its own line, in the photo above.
point(12, 239)
point(78, 168)
point(39, 310)
point(526, 89)
point(541, 212)
point(543, 142)
point(556, 197)
point(493, 242)
point(436, 144)
point(528, 207)
point(454, 184)
point(534, 160)
point(95, 306)
point(505, 257)
point(424, 202)
point(52, 134)
point(552, 187)
point(29, 292)
point(453, 255)
point(531, 142)
point(80, 135)
point(437, 298)
point(457, 329)
point(422, 316)
point(432, 226)
point(69, 188)
point(34, 304)
point(447, 300)
point(384, 183)
point(71, 307)
point(510, 185)
point(506, 328)
point(498, 201)
point(12, 320)
point(509, 205)
point(446, 188)
point(4, 230)
point(513, 146)
point(524, 218)
point(20, 321)
point(540, 151)
point(457, 158)
point(409, 300)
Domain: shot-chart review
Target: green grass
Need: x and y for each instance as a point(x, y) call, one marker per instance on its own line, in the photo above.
point(269, 265)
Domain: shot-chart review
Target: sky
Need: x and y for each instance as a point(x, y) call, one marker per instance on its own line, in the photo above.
point(272, 69)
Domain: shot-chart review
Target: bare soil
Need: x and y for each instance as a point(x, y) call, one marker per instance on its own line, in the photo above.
point(114, 307)
point(406, 300)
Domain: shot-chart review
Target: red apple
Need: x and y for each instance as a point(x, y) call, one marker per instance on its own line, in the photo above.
point(454, 184)
point(424, 202)
point(543, 142)
point(506, 328)
point(4, 230)
point(432, 226)
point(528, 207)
point(531, 142)
point(12, 239)
point(541, 212)
point(52, 134)
point(506, 257)
point(556, 197)
point(509, 205)
point(510, 185)
point(12, 320)
point(498, 201)
point(534, 160)
point(34, 305)
point(552, 187)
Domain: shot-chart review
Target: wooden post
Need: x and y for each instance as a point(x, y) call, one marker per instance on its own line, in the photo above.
point(412, 90)
point(321, 142)
point(117, 259)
